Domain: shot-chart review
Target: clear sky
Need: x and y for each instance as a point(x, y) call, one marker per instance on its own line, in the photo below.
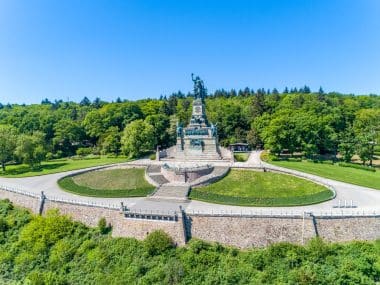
point(137, 49)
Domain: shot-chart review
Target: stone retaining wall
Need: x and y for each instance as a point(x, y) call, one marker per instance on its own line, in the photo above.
point(341, 229)
point(30, 203)
point(239, 231)
point(245, 232)
point(121, 227)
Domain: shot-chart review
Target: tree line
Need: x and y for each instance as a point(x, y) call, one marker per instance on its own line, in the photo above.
point(294, 121)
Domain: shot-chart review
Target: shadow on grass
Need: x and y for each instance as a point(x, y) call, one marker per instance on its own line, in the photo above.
point(22, 169)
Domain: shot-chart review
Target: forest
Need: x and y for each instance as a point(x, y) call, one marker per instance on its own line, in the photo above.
point(53, 249)
point(313, 124)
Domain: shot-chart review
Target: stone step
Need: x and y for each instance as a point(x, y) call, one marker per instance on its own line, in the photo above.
point(158, 178)
point(154, 168)
point(171, 192)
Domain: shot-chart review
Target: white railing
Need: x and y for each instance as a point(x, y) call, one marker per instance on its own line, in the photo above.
point(58, 199)
point(19, 191)
point(334, 212)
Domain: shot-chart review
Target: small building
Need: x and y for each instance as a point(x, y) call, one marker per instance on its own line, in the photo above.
point(239, 147)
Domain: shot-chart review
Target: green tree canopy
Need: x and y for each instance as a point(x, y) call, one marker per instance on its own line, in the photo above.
point(138, 137)
point(8, 142)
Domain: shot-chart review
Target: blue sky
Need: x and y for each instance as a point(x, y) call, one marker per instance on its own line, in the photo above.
point(69, 49)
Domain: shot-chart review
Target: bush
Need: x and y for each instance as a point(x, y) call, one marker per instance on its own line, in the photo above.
point(49, 156)
point(103, 227)
point(152, 156)
point(3, 225)
point(84, 151)
point(241, 157)
point(158, 242)
point(330, 162)
point(357, 166)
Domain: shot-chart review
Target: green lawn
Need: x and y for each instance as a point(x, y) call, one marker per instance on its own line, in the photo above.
point(252, 188)
point(58, 165)
point(129, 182)
point(345, 174)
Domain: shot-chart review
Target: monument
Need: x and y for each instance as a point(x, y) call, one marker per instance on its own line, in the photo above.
point(199, 140)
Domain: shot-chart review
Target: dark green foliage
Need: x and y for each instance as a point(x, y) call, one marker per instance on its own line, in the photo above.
point(357, 166)
point(103, 227)
point(295, 121)
point(157, 243)
point(55, 250)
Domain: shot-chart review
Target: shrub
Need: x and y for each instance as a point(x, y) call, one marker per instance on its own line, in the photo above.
point(3, 225)
point(357, 166)
point(49, 156)
point(103, 227)
point(241, 157)
point(158, 242)
point(83, 151)
point(152, 156)
point(330, 162)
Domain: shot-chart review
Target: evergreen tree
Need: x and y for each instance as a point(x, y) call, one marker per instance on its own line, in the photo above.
point(97, 103)
point(45, 102)
point(258, 104)
point(85, 102)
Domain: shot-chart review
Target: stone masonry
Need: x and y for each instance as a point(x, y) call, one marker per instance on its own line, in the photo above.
point(239, 231)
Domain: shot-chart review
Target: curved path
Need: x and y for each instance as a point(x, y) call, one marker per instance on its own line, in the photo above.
point(364, 199)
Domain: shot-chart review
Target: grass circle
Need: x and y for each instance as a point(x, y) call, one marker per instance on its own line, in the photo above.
point(109, 183)
point(253, 188)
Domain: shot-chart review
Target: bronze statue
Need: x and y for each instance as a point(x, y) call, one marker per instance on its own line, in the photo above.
point(200, 91)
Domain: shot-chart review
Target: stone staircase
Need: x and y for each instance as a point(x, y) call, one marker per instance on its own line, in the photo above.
point(155, 175)
point(173, 192)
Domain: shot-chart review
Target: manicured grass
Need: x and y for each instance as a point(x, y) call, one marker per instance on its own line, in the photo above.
point(241, 156)
point(344, 174)
point(113, 183)
point(58, 165)
point(252, 188)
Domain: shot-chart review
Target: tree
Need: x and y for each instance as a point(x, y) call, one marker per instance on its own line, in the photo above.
point(111, 141)
point(69, 134)
point(85, 102)
point(161, 125)
point(137, 138)
point(367, 129)
point(97, 103)
point(30, 148)
point(347, 145)
point(8, 140)
point(253, 138)
point(258, 104)
point(280, 134)
point(158, 242)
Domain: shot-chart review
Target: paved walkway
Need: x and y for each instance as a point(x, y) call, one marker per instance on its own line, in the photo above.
point(365, 199)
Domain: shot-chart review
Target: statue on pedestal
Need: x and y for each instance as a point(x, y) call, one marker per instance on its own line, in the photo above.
point(200, 91)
